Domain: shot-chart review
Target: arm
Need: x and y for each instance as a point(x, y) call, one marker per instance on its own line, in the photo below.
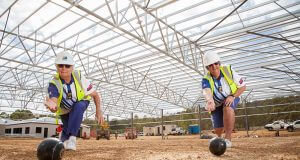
point(51, 99)
point(99, 114)
point(231, 98)
point(90, 90)
point(239, 91)
point(208, 95)
point(241, 85)
point(210, 104)
point(51, 104)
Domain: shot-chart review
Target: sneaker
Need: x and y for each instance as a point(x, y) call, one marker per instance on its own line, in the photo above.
point(228, 143)
point(71, 143)
point(66, 142)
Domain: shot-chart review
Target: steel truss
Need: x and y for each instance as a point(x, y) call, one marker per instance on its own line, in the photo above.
point(142, 61)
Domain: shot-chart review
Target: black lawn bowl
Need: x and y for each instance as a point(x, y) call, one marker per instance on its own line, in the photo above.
point(217, 146)
point(50, 149)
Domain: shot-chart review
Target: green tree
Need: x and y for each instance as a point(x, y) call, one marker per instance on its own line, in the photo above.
point(136, 116)
point(21, 114)
point(4, 115)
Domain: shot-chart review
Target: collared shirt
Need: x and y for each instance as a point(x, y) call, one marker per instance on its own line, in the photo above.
point(222, 88)
point(69, 89)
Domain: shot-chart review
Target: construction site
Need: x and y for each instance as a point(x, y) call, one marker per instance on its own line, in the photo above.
point(149, 79)
point(261, 145)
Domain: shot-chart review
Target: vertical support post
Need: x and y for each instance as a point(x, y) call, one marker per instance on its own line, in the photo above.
point(162, 124)
point(107, 119)
point(132, 125)
point(199, 116)
point(246, 117)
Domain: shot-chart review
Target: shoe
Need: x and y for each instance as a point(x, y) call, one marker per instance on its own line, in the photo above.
point(66, 142)
point(228, 143)
point(71, 143)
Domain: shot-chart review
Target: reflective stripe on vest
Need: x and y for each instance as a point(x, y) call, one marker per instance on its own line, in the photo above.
point(226, 71)
point(78, 86)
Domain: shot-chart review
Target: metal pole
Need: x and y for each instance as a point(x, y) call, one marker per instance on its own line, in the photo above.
point(132, 126)
point(107, 119)
point(246, 117)
point(221, 20)
point(199, 116)
point(162, 124)
point(281, 39)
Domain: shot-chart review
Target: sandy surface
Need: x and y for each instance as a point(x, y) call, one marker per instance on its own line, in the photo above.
point(266, 146)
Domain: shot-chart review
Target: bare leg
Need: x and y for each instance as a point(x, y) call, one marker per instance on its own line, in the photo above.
point(229, 120)
point(219, 131)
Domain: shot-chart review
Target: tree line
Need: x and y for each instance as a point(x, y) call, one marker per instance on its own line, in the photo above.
point(258, 113)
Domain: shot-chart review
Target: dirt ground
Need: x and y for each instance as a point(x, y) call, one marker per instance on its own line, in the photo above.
point(261, 144)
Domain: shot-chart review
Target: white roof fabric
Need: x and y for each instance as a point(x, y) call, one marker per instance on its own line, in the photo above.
point(145, 56)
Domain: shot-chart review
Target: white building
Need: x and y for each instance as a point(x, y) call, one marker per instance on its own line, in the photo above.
point(157, 130)
point(148, 131)
point(37, 127)
point(85, 131)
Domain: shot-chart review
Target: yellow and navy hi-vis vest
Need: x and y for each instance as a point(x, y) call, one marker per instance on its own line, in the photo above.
point(226, 71)
point(78, 85)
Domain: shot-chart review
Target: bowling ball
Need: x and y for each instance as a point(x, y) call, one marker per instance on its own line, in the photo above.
point(50, 149)
point(217, 146)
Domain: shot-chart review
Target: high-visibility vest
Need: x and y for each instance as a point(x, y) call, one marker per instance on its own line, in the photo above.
point(226, 71)
point(78, 85)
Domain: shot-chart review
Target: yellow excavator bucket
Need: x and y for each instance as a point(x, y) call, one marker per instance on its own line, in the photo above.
point(104, 125)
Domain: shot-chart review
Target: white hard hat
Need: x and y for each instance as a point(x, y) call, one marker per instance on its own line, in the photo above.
point(210, 58)
point(64, 58)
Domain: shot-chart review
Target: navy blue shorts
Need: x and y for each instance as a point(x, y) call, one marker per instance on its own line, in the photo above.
point(217, 115)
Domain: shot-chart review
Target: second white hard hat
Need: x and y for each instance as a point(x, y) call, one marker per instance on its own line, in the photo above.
point(210, 58)
point(64, 58)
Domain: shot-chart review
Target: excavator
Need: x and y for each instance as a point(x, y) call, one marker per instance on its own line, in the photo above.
point(103, 132)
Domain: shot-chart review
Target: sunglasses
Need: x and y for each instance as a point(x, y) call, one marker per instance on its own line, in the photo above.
point(62, 65)
point(217, 63)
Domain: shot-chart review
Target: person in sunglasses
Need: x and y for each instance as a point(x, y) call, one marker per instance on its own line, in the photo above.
point(69, 94)
point(221, 88)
